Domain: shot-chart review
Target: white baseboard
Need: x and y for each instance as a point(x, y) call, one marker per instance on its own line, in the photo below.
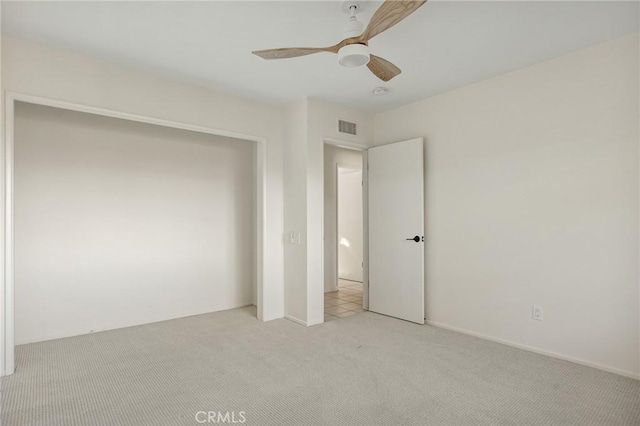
point(296, 320)
point(275, 317)
point(116, 326)
point(536, 350)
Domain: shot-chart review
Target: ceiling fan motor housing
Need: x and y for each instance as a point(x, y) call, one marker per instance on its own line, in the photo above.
point(353, 28)
point(356, 54)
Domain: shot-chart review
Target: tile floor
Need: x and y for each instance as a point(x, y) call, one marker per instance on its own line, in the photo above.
point(345, 302)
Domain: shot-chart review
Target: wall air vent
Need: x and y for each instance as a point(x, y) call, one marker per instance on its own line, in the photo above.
point(346, 127)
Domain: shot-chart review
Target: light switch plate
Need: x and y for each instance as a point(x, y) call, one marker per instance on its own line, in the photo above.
point(294, 237)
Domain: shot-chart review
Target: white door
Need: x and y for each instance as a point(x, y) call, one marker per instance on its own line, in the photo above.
point(396, 230)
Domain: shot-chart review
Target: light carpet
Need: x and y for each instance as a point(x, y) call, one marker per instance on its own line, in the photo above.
point(365, 369)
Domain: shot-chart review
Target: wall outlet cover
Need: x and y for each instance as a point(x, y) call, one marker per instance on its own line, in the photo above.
point(537, 313)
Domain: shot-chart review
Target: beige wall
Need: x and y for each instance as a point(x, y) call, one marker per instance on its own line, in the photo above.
point(333, 156)
point(119, 223)
point(532, 199)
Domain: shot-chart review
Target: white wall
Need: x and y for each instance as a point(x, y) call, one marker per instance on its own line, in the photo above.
point(333, 155)
point(119, 223)
point(295, 212)
point(350, 232)
point(323, 126)
point(532, 198)
point(47, 72)
point(2, 210)
point(308, 123)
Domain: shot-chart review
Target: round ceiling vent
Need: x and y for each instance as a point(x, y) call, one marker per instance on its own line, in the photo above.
point(380, 91)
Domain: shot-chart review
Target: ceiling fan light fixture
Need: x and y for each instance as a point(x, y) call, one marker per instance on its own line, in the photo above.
point(354, 55)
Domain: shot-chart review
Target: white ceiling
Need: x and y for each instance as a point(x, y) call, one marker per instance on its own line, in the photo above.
point(442, 46)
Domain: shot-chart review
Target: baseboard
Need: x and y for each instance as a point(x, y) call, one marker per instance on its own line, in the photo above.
point(117, 326)
point(536, 350)
point(296, 320)
point(353, 281)
point(272, 318)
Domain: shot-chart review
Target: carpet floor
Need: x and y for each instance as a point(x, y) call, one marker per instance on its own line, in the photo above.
point(365, 369)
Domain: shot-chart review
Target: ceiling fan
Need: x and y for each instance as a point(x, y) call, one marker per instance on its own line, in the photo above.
point(353, 51)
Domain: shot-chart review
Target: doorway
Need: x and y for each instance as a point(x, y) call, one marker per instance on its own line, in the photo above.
point(392, 238)
point(344, 247)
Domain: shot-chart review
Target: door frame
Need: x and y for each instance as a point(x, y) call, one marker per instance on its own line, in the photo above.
point(365, 221)
point(7, 284)
point(337, 214)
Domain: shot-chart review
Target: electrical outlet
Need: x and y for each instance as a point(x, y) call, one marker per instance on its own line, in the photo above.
point(537, 313)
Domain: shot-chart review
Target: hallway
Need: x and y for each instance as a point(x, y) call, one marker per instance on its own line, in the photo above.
point(345, 302)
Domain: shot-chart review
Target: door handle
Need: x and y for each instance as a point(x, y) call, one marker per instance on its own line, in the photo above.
point(416, 239)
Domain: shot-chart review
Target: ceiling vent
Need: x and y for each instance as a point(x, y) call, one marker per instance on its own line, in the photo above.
point(346, 127)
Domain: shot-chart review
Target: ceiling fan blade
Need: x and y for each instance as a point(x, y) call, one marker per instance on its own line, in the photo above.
point(290, 52)
point(390, 13)
point(382, 68)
